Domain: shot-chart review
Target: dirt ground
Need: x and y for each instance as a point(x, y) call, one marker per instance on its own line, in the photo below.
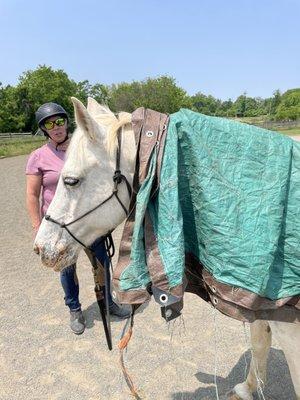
point(41, 359)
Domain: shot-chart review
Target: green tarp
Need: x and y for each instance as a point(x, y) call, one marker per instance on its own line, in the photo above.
point(229, 194)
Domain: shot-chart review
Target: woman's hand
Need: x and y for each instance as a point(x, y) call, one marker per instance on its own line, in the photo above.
point(35, 229)
point(33, 190)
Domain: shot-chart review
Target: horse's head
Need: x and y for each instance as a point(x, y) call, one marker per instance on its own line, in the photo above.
point(86, 182)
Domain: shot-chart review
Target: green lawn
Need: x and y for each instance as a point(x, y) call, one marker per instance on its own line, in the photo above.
point(292, 131)
point(253, 120)
point(265, 118)
point(16, 147)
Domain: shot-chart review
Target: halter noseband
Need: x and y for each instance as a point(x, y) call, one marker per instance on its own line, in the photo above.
point(118, 178)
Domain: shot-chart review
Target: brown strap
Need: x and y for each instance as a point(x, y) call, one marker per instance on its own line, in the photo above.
point(98, 269)
point(150, 129)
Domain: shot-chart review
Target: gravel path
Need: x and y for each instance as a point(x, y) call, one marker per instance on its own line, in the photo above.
point(41, 359)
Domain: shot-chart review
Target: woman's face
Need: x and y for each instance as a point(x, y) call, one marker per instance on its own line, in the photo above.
point(56, 127)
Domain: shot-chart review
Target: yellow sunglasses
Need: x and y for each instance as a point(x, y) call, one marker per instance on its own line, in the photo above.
point(58, 122)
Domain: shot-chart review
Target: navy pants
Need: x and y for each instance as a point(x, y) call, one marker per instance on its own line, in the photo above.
point(69, 280)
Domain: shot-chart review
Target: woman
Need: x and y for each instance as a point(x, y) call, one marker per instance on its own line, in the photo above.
point(43, 169)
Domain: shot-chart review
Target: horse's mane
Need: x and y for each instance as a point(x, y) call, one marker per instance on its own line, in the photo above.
point(113, 123)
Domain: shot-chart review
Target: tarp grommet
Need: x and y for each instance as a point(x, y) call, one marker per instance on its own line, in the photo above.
point(163, 298)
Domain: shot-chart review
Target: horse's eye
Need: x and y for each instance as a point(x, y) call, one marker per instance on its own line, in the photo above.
point(70, 181)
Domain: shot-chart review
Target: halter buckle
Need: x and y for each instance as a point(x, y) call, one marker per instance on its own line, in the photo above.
point(117, 178)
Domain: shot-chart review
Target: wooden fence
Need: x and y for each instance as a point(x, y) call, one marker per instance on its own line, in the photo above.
point(279, 125)
point(11, 135)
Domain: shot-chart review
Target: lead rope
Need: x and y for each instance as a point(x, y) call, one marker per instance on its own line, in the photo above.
point(122, 345)
point(125, 338)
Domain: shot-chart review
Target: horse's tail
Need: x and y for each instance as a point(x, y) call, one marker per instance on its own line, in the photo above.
point(123, 120)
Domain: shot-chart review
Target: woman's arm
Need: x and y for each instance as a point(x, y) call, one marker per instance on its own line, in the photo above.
point(33, 190)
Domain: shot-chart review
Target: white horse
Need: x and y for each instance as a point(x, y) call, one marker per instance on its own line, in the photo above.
point(86, 181)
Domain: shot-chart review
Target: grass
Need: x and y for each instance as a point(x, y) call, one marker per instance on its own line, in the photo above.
point(17, 147)
point(291, 131)
point(265, 118)
point(253, 120)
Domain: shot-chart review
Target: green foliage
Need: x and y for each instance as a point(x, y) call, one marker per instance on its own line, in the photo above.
point(18, 104)
point(289, 107)
point(288, 114)
point(98, 92)
point(45, 85)
point(274, 102)
point(246, 106)
point(206, 104)
point(12, 115)
point(161, 94)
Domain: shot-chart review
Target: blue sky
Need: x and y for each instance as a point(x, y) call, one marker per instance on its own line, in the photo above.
point(222, 48)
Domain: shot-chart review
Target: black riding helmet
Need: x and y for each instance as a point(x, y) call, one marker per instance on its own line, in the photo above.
point(48, 110)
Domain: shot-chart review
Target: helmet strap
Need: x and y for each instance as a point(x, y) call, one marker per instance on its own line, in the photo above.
point(58, 144)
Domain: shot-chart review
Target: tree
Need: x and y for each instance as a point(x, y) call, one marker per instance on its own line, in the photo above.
point(45, 85)
point(206, 104)
point(275, 101)
point(98, 92)
point(240, 105)
point(19, 103)
point(225, 109)
point(289, 107)
point(12, 112)
point(160, 94)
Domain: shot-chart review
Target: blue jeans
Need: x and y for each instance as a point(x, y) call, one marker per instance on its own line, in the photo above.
point(69, 280)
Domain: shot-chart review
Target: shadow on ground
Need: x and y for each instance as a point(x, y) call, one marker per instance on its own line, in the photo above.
point(279, 383)
point(92, 314)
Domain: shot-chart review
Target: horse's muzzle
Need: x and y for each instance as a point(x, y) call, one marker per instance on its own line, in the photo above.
point(56, 257)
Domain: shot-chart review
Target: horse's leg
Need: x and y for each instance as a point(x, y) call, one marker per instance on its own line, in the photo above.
point(288, 336)
point(261, 342)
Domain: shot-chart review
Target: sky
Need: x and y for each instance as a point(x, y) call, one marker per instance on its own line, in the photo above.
point(220, 48)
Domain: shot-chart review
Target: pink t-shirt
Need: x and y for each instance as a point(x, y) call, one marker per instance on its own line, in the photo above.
point(47, 162)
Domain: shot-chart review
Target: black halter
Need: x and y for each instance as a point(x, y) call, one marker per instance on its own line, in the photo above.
point(118, 178)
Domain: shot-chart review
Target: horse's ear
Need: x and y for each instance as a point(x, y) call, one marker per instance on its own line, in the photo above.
point(96, 109)
point(84, 120)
